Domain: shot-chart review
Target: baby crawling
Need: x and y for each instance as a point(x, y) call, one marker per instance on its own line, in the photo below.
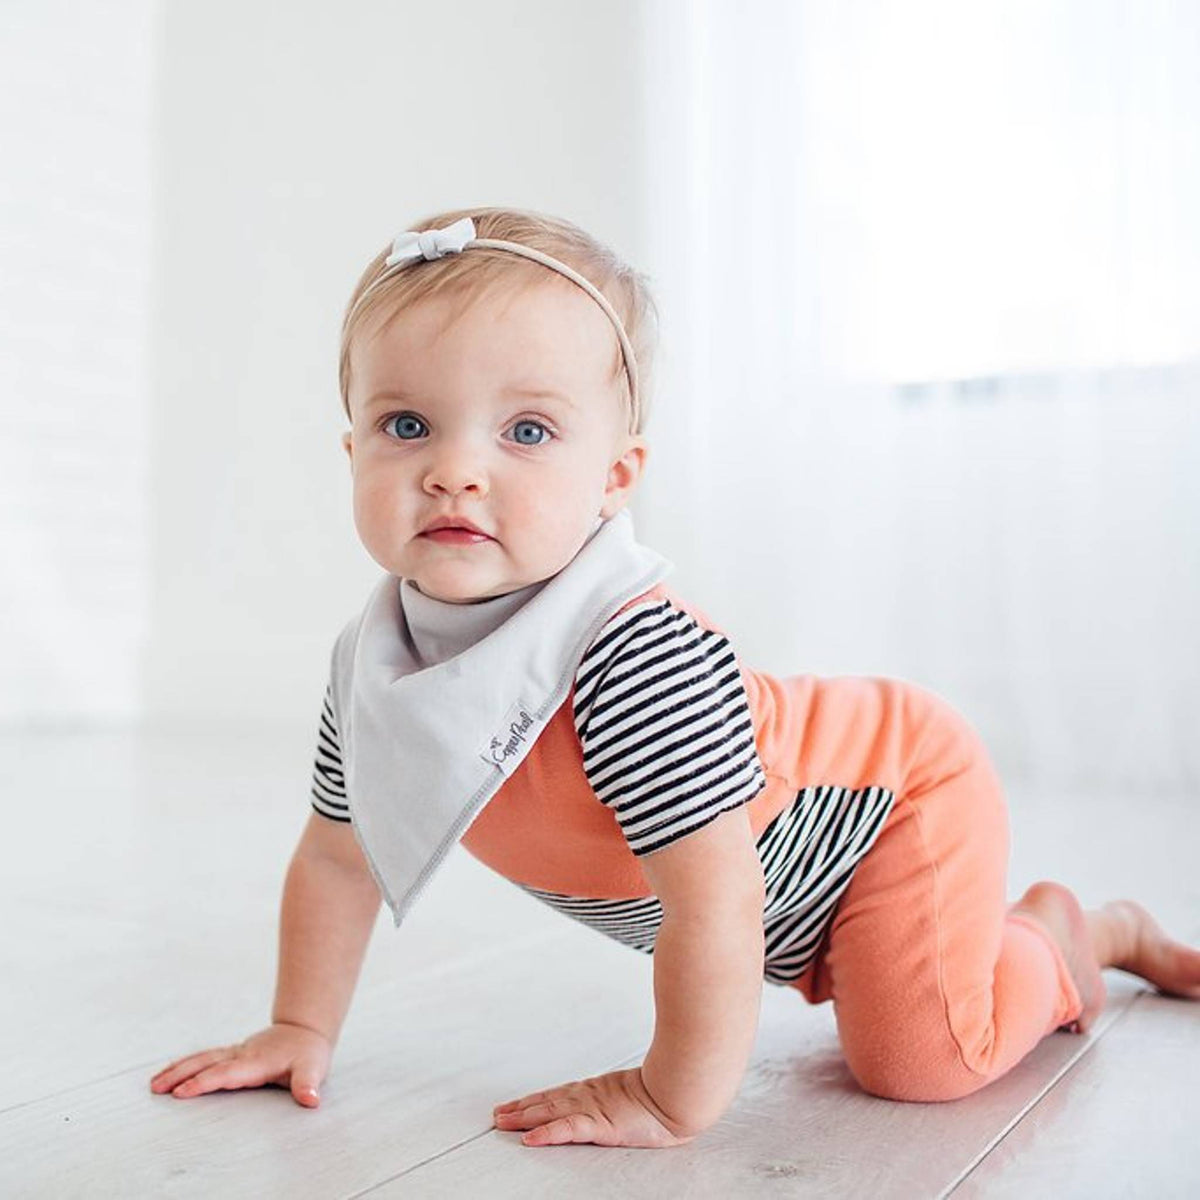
point(522, 681)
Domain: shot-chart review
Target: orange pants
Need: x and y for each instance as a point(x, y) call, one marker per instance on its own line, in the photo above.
point(936, 987)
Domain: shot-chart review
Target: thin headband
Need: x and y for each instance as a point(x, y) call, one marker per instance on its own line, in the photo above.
point(427, 244)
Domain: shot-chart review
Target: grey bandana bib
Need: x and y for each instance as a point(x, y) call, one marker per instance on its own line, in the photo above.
point(425, 746)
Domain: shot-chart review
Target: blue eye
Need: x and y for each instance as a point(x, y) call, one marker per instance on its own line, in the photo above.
point(406, 427)
point(400, 418)
point(532, 425)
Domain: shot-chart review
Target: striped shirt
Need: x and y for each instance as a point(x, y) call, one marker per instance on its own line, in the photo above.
point(668, 744)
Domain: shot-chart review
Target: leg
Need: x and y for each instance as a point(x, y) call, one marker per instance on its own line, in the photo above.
point(937, 988)
point(1120, 934)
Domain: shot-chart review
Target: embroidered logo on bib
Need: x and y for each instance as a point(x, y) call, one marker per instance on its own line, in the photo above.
point(507, 748)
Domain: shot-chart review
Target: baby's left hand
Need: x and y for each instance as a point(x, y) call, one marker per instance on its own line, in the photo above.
point(609, 1110)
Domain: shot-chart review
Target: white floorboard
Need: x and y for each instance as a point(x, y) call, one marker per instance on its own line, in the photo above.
point(1123, 1125)
point(141, 882)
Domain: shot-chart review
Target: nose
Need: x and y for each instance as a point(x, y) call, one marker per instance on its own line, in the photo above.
point(455, 466)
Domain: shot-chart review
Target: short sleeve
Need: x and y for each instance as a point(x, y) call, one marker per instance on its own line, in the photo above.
point(665, 725)
point(329, 781)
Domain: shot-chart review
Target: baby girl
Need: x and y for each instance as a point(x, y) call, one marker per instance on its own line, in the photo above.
point(522, 681)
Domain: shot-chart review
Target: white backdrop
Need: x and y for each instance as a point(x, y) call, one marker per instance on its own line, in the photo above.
point(928, 280)
point(178, 545)
point(76, 214)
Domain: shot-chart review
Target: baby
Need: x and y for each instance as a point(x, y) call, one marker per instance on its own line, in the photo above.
point(521, 681)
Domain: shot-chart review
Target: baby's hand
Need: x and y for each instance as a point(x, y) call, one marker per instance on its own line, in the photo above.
point(288, 1055)
point(609, 1110)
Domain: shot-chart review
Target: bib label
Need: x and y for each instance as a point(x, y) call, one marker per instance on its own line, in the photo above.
point(506, 748)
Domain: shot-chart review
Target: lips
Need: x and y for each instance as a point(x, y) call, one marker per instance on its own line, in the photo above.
point(453, 523)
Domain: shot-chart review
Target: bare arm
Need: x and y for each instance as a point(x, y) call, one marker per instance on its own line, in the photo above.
point(708, 970)
point(329, 907)
point(330, 903)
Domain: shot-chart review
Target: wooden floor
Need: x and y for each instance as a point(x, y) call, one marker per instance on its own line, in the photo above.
point(141, 881)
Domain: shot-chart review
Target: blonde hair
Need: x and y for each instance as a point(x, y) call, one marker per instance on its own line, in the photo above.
point(477, 270)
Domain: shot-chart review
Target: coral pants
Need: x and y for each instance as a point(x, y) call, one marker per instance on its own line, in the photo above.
point(937, 988)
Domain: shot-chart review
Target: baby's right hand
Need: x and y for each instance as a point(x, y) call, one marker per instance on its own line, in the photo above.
point(288, 1055)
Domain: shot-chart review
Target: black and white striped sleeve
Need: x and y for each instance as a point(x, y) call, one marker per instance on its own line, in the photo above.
point(328, 782)
point(665, 725)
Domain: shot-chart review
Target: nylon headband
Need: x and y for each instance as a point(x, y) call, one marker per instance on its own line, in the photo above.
point(427, 244)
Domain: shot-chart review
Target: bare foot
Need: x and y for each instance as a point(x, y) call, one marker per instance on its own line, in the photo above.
point(1126, 936)
point(1056, 908)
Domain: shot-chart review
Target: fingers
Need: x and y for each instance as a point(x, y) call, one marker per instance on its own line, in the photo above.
point(548, 1119)
point(227, 1074)
point(304, 1088)
point(529, 1110)
point(604, 1110)
point(574, 1127)
point(524, 1117)
point(523, 1102)
point(184, 1068)
point(226, 1068)
point(290, 1056)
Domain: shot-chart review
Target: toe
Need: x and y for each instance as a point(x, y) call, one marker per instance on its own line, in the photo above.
point(1179, 973)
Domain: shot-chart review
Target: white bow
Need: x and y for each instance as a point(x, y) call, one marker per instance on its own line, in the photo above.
point(430, 243)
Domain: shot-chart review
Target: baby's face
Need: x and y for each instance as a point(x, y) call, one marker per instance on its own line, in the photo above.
point(506, 418)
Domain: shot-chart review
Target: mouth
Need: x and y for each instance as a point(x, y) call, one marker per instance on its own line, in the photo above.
point(455, 535)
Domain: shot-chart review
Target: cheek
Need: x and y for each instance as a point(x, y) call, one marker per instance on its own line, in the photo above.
point(374, 498)
point(561, 509)
point(558, 496)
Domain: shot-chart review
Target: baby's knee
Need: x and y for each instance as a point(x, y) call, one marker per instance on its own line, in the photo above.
point(902, 1049)
point(912, 1071)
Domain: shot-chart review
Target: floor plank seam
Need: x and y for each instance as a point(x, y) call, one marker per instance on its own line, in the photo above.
point(417, 1166)
point(1092, 1042)
point(629, 1058)
point(75, 1087)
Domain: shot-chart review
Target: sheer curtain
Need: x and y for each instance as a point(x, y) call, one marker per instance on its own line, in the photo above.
point(930, 281)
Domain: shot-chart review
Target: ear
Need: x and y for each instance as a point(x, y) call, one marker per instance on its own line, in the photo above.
point(624, 476)
point(348, 447)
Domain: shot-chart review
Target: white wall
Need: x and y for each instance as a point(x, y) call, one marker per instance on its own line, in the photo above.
point(75, 215)
point(293, 141)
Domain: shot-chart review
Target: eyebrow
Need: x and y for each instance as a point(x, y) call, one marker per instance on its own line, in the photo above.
point(528, 393)
point(535, 393)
